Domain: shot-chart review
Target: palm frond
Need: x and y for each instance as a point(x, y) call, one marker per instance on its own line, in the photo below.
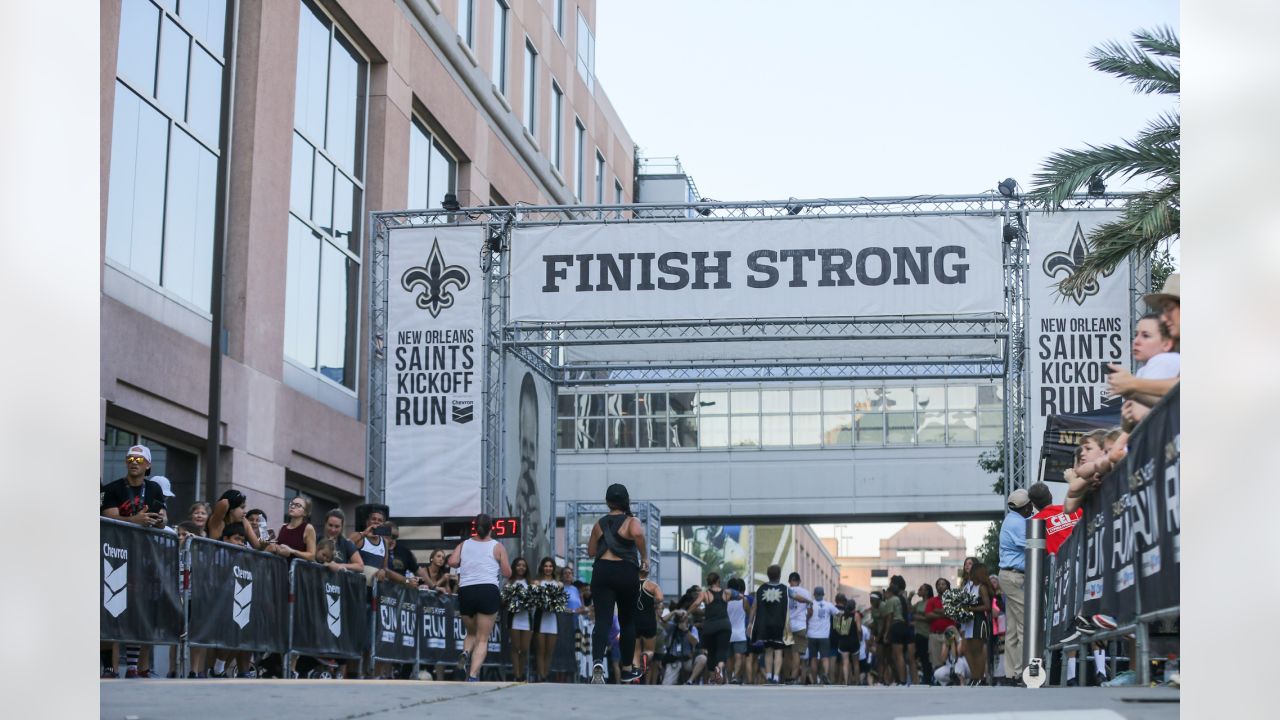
point(1149, 219)
point(1145, 73)
point(1162, 41)
point(1067, 170)
point(1165, 130)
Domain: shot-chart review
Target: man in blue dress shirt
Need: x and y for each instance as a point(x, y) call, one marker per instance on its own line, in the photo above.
point(1013, 545)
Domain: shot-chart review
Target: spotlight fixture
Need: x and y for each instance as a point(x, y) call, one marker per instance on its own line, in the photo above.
point(704, 211)
point(1097, 188)
point(1008, 188)
point(794, 208)
point(450, 202)
point(1010, 232)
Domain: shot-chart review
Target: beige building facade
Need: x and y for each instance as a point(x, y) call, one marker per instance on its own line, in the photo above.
point(332, 109)
point(920, 552)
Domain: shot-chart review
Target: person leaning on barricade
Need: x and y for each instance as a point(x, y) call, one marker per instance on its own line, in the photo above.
point(370, 541)
point(1144, 389)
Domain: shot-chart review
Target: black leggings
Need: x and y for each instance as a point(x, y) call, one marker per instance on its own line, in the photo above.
point(922, 658)
point(716, 640)
point(614, 582)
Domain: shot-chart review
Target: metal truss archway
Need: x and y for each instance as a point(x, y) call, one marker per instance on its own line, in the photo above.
point(542, 346)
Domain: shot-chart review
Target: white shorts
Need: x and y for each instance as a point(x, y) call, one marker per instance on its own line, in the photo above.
point(520, 621)
point(550, 624)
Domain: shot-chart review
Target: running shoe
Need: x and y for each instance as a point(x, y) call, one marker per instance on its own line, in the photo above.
point(246, 675)
point(132, 674)
point(1084, 625)
point(597, 674)
point(630, 677)
point(1106, 622)
point(110, 674)
point(172, 674)
point(472, 678)
point(464, 662)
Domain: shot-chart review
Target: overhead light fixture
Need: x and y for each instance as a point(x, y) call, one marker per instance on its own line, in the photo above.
point(1097, 188)
point(704, 211)
point(1010, 232)
point(794, 208)
point(450, 202)
point(1008, 188)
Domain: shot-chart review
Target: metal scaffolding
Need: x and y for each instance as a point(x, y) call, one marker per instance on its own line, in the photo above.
point(546, 347)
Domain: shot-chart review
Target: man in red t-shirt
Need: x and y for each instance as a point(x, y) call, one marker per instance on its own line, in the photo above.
point(1057, 524)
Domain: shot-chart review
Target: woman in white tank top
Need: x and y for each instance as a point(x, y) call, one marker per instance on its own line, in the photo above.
point(482, 563)
point(519, 622)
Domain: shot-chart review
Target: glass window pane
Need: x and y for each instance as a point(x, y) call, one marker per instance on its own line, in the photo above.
point(837, 429)
point(621, 404)
point(530, 89)
point(302, 292)
point(745, 401)
point(204, 107)
point(901, 428)
point(990, 396)
point(207, 19)
point(806, 400)
point(322, 195)
point(868, 428)
point(188, 234)
point(775, 431)
point(745, 431)
point(962, 427)
point(713, 403)
point(344, 108)
point(591, 404)
point(135, 201)
point(653, 432)
point(300, 177)
point(806, 430)
point(682, 403)
point(684, 432)
point(589, 434)
point(932, 428)
point(136, 59)
point(836, 400)
point(564, 406)
point(930, 398)
point(171, 86)
point(651, 403)
point(898, 398)
point(961, 397)
point(622, 433)
point(992, 426)
point(868, 399)
point(499, 68)
point(346, 208)
point(773, 401)
point(313, 72)
point(443, 176)
point(713, 432)
point(419, 166)
point(338, 287)
point(564, 435)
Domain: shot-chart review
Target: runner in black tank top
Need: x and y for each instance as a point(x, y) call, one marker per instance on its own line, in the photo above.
point(617, 543)
point(716, 627)
point(646, 622)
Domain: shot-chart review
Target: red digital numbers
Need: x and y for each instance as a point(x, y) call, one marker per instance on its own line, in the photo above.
point(502, 527)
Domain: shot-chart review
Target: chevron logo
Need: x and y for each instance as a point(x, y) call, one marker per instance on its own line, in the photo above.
point(333, 595)
point(242, 602)
point(115, 587)
point(463, 411)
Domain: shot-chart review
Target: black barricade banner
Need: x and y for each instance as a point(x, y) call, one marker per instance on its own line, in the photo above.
point(395, 624)
point(562, 655)
point(239, 598)
point(1156, 451)
point(1098, 584)
point(330, 611)
point(140, 600)
point(436, 643)
point(1122, 568)
point(1064, 605)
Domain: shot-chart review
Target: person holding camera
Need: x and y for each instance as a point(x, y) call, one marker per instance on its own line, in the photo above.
point(369, 542)
point(682, 650)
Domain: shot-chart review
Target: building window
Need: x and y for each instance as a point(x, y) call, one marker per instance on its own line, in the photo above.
point(325, 201)
point(500, 45)
point(557, 126)
point(432, 170)
point(617, 191)
point(180, 465)
point(599, 178)
point(559, 18)
point(163, 187)
point(579, 148)
point(530, 88)
point(467, 21)
point(586, 52)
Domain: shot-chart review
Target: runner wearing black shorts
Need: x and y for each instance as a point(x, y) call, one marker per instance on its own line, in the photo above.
point(846, 634)
point(769, 622)
point(480, 560)
point(646, 622)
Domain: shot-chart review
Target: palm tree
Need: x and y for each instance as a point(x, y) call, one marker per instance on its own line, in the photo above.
point(1150, 218)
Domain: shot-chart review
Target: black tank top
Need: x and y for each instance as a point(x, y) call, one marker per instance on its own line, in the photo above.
point(644, 606)
point(624, 548)
point(717, 609)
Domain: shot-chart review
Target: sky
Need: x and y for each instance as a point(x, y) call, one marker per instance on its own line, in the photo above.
point(768, 100)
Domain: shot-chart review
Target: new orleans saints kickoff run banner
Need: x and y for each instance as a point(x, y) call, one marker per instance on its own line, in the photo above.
point(818, 267)
point(140, 601)
point(435, 371)
point(239, 598)
point(330, 611)
point(1071, 339)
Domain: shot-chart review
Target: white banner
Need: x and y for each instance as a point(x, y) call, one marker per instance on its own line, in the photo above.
point(811, 267)
point(435, 371)
point(1071, 339)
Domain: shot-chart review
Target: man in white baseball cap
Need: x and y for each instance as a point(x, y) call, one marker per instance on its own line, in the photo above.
point(1013, 546)
point(135, 498)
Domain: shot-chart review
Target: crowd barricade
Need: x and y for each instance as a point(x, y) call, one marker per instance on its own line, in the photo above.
point(141, 600)
point(237, 597)
point(1122, 559)
point(329, 611)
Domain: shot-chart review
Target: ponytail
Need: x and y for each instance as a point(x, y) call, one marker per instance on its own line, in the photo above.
point(484, 525)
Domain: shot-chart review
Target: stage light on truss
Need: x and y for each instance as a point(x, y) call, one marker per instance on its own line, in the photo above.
point(1008, 188)
point(794, 208)
point(1097, 188)
point(450, 202)
point(1010, 232)
point(704, 211)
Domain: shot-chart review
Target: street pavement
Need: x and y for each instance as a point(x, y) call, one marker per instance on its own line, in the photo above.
point(403, 699)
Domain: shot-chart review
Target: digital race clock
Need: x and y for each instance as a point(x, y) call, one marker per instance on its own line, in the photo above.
point(503, 528)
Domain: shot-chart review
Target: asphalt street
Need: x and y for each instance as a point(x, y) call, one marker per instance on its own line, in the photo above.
point(400, 699)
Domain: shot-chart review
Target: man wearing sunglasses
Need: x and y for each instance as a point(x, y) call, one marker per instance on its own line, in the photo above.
point(135, 498)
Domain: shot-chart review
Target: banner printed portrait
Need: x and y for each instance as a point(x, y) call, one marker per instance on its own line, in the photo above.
point(530, 433)
point(435, 371)
point(815, 267)
point(1071, 339)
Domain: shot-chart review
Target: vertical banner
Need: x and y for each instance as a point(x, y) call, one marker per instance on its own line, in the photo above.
point(436, 644)
point(239, 598)
point(530, 417)
point(1073, 338)
point(1096, 522)
point(140, 601)
point(1155, 450)
point(395, 624)
point(435, 371)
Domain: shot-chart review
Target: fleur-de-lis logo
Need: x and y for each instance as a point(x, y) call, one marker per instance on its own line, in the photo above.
point(435, 278)
point(1068, 261)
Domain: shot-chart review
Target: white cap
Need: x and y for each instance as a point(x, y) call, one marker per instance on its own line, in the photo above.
point(140, 450)
point(163, 482)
